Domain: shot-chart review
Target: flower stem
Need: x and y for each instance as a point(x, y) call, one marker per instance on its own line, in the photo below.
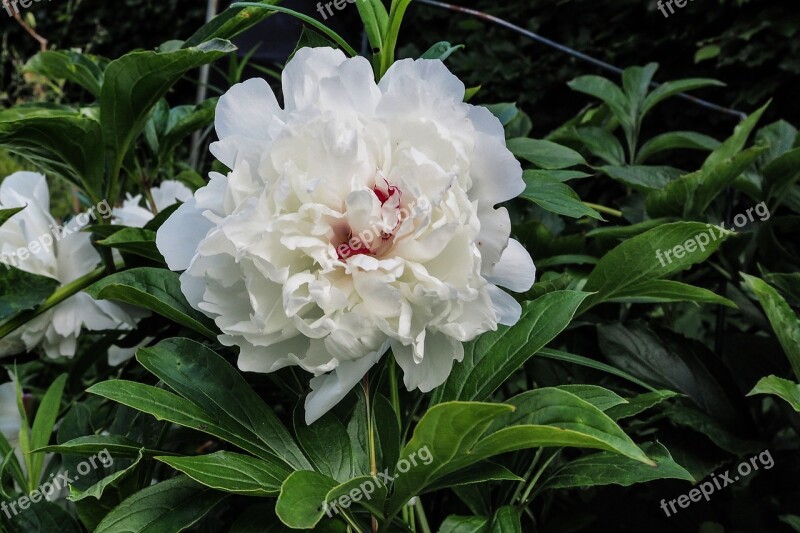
point(63, 293)
point(423, 520)
point(604, 209)
point(373, 456)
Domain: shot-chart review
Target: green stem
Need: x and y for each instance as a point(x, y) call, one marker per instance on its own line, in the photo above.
point(423, 520)
point(395, 391)
point(63, 293)
point(525, 497)
point(604, 209)
point(373, 455)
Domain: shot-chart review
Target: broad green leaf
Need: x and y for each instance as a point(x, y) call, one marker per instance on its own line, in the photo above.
point(43, 424)
point(669, 360)
point(376, 22)
point(782, 388)
point(233, 472)
point(782, 173)
point(76, 67)
point(93, 444)
point(639, 404)
point(783, 320)
point(326, 444)
point(135, 82)
point(201, 376)
point(505, 112)
point(20, 291)
point(626, 232)
point(637, 260)
point(173, 505)
point(566, 357)
point(734, 144)
point(693, 193)
point(450, 432)
point(779, 136)
point(156, 289)
point(602, 144)
point(642, 178)
point(555, 417)
point(661, 291)
point(545, 154)
point(606, 91)
point(136, 241)
point(63, 142)
point(788, 283)
point(672, 88)
point(636, 84)
point(165, 405)
point(478, 473)
point(96, 490)
point(558, 175)
point(181, 125)
point(606, 468)
point(676, 140)
point(600, 397)
point(45, 516)
point(506, 520)
point(556, 197)
point(495, 356)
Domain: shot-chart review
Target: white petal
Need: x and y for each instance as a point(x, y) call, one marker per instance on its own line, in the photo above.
point(515, 270)
point(247, 109)
point(330, 389)
point(180, 236)
point(507, 308)
point(440, 353)
point(496, 174)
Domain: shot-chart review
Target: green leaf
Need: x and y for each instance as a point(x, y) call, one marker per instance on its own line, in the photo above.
point(164, 405)
point(782, 388)
point(6, 214)
point(781, 174)
point(672, 88)
point(608, 92)
point(636, 260)
point(20, 291)
point(201, 376)
point(133, 85)
point(43, 424)
point(505, 112)
point(230, 22)
point(156, 289)
point(662, 291)
point(495, 356)
point(93, 444)
point(173, 505)
point(558, 175)
point(181, 125)
point(441, 51)
point(639, 404)
point(783, 320)
point(555, 417)
point(326, 444)
point(707, 52)
point(636, 84)
point(602, 144)
point(642, 178)
point(45, 516)
point(135, 241)
point(464, 524)
point(62, 142)
point(233, 472)
point(676, 140)
point(566, 357)
point(396, 14)
point(556, 197)
point(711, 428)
point(376, 23)
point(481, 472)
point(606, 468)
point(506, 520)
point(545, 154)
point(96, 490)
point(734, 144)
point(76, 67)
point(601, 398)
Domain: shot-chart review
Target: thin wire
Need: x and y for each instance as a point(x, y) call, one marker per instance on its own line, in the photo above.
point(574, 53)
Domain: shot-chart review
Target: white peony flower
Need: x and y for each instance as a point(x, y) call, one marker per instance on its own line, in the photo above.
point(10, 420)
point(134, 215)
point(360, 217)
point(63, 254)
